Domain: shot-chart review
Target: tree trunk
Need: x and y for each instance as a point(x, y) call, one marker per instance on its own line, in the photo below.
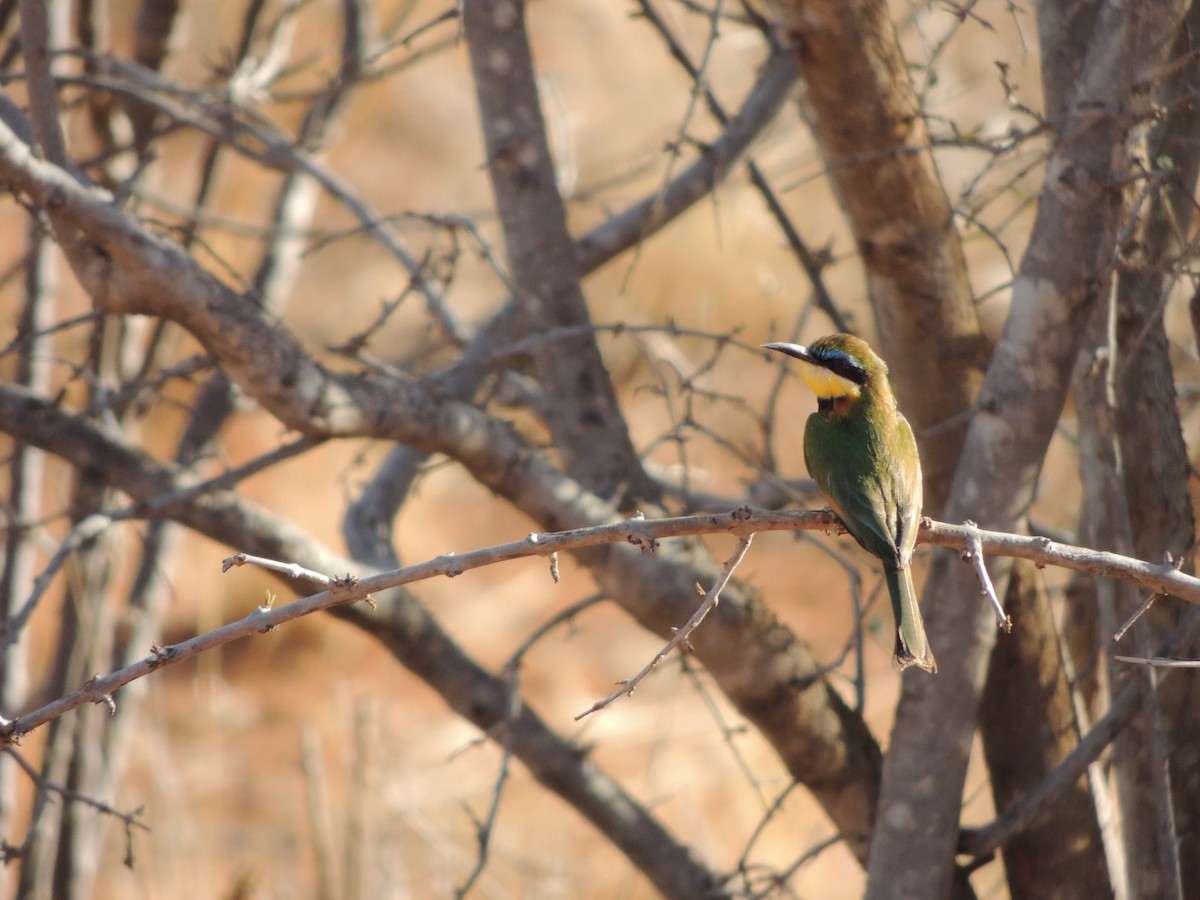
point(865, 116)
point(1065, 269)
point(1028, 726)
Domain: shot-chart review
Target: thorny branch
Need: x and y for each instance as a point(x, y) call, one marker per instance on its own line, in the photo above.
point(131, 819)
point(639, 531)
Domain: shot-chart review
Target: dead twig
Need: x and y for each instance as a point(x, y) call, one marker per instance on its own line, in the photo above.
point(973, 553)
point(681, 635)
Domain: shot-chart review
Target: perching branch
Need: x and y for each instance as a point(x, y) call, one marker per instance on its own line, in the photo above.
point(644, 533)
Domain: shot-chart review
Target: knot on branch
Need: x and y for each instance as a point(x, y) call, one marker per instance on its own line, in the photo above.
point(161, 656)
point(450, 565)
point(647, 542)
point(98, 696)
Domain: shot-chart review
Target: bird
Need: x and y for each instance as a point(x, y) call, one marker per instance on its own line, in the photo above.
point(860, 451)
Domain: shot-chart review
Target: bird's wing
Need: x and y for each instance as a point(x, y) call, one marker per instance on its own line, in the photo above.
point(867, 507)
point(907, 488)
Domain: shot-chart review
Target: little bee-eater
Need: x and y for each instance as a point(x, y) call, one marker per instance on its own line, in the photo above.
point(860, 451)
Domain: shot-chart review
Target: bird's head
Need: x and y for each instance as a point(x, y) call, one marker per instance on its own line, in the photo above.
point(837, 366)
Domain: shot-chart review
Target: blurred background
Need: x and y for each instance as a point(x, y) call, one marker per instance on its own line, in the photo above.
point(307, 762)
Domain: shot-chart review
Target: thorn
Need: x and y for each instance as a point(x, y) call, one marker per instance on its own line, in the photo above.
point(344, 581)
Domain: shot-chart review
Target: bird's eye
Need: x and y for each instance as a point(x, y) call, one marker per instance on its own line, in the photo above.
point(846, 366)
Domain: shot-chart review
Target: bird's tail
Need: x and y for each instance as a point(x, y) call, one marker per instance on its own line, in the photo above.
point(912, 647)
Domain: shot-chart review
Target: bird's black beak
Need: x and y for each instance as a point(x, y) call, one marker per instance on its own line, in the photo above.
point(797, 350)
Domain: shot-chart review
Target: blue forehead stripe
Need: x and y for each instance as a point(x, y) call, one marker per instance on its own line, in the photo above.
point(841, 356)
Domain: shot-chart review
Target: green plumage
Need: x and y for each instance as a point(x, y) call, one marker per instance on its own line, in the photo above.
point(861, 453)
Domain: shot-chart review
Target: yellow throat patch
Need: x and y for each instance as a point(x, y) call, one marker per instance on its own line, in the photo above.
point(825, 384)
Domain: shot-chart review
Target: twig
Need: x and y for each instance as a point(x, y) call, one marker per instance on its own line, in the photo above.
point(699, 86)
point(448, 15)
point(743, 863)
point(484, 828)
point(681, 635)
point(729, 733)
point(1161, 662)
point(559, 618)
point(779, 879)
point(93, 525)
point(812, 263)
point(258, 139)
point(131, 819)
point(24, 337)
point(1044, 551)
point(291, 570)
point(973, 553)
point(1145, 605)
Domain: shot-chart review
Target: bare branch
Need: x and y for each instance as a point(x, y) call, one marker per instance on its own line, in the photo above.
point(812, 263)
point(1161, 662)
point(642, 219)
point(641, 532)
point(485, 828)
point(973, 554)
point(403, 626)
point(711, 598)
point(589, 431)
point(291, 570)
point(43, 94)
point(131, 818)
